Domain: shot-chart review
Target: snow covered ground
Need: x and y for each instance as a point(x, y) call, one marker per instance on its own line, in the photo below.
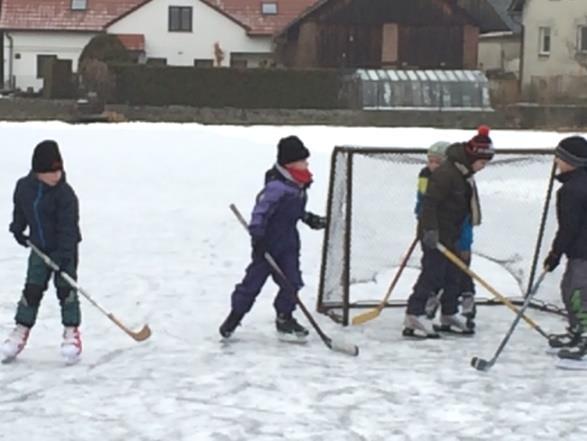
point(160, 246)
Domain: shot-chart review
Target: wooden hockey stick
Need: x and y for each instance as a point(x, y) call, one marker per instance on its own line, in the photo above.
point(338, 346)
point(458, 262)
point(141, 335)
point(374, 313)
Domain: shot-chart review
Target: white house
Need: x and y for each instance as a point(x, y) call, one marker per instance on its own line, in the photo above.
point(554, 53)
point(174, 32)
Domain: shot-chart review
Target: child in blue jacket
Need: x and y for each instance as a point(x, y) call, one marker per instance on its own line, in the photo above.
point(273, 228)
point(46, 205)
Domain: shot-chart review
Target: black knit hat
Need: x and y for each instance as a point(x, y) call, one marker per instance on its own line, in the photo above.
point(291, 149)
point(480, 146)
point(573, 150)
point(46, 157)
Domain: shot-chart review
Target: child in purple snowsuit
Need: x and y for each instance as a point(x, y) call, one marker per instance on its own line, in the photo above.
point(273, 228)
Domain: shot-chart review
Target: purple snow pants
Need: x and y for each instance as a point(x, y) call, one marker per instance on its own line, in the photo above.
point(256, 275)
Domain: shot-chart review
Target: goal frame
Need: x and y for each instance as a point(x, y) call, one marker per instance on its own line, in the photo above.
point(340, 312)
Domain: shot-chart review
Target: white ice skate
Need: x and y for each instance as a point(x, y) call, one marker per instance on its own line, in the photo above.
point(71, 347)
point(418, 326)
point(15, 343)
point(453, 324)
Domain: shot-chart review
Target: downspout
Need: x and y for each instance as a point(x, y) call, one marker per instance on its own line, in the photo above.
point(10, 60)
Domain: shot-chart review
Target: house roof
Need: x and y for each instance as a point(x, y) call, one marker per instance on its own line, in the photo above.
point(502, 8)
point(132, 42)
point(477, 11)
point(490, 15)
point(248, 13)
point(517, 5)
point(57, 14)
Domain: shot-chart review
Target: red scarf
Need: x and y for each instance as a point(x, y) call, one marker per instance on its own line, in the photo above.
point(302, 177)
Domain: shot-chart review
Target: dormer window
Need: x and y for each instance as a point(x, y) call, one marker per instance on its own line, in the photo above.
point(269, 8)
point(79, 5)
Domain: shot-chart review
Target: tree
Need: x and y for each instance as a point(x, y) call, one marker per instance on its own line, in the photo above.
point(101, 50)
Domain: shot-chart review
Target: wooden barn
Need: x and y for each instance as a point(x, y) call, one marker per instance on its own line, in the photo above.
point(414, 34)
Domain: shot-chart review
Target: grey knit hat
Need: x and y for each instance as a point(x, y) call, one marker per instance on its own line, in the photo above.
point(573, 150)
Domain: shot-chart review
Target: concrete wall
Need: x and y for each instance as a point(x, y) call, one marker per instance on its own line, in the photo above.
point(500, 51)
point(510, 117)
point(561, 73)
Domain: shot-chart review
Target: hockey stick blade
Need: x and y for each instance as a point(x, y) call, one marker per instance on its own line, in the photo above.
point(343, 347)
point(366, 316)
point(141, 335)
point(480, 364)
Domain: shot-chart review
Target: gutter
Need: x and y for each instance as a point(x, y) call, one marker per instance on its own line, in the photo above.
point(10, 60)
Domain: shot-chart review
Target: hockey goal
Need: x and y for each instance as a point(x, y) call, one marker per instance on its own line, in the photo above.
point(371, 200)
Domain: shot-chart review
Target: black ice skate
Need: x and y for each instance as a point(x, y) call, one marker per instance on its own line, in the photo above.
point(229, 325)
point(573, 357)
point(568, 340)
point(289, 330)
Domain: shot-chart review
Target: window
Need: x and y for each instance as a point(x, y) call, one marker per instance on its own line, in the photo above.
point(269, 8)
point(544, 41)
point(180, 19)
point(157, 61)
point(582, 46)
point(79, 5)
point(237, 63)
point(200, 62)
point(42, 63)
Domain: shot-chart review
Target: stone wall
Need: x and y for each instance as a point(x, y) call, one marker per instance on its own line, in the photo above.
point(518, 116)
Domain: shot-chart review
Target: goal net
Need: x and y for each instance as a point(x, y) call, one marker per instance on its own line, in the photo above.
point(372, 224)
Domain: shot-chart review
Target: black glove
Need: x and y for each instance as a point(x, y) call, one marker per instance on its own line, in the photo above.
point(314, 221)
point(430, 239)
point(551, 262)
point(259, 247)
point(22, 239)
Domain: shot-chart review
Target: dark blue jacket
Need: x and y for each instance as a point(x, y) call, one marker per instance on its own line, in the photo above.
point(50, 213)
point(571, 209)
point(279, 207)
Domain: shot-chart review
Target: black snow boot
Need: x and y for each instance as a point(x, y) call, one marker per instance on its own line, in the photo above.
point(229, 325)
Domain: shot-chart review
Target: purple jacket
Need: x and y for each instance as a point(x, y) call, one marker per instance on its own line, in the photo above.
point(279, 207)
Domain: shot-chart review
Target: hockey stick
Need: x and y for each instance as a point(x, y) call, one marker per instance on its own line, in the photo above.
point(374, 313)
point(338, 346)
point(458, 262)
point(141, 335)
point(484, 365)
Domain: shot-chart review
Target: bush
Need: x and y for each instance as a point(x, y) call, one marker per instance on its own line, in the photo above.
point(93, 64)
point(214, 87)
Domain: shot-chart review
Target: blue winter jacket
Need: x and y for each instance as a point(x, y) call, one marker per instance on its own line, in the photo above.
point(279, 207)
point(50, 213)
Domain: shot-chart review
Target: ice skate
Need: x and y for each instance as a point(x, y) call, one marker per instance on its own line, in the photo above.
point(289, 330)
point(71, 346)
point(454, 325)
point(230, 323)
point(15, 343)
point(418, 326)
